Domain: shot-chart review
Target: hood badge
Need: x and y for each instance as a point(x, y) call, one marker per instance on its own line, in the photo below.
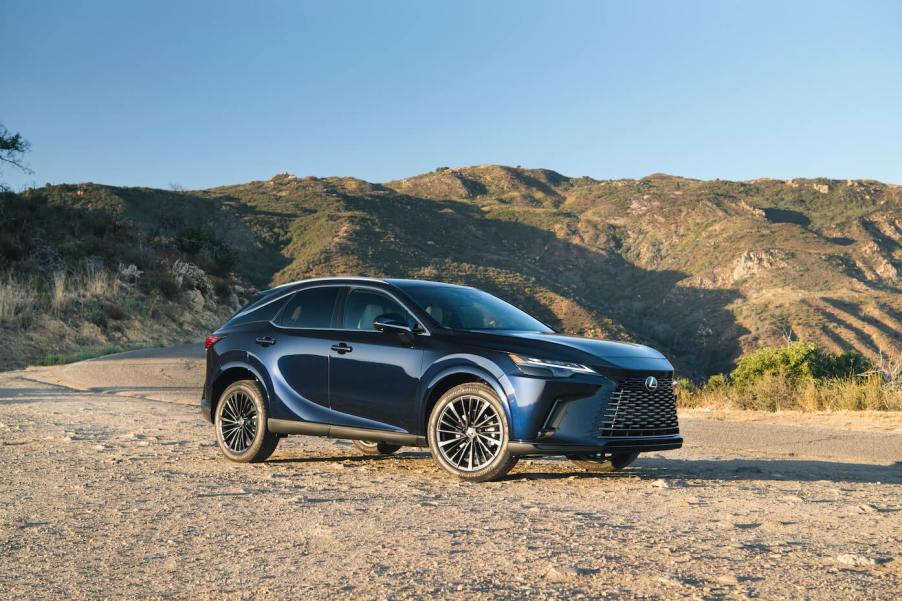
point(651, 383)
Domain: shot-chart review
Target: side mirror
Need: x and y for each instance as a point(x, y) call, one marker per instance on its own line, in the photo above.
point(392, 323)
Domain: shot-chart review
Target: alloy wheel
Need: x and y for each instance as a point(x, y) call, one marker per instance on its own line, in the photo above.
point(469, 433)
point(238, 422)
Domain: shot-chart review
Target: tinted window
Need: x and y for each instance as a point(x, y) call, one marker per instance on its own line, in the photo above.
point(363, 306)
point(265, 312)
point(310, 308)
point(461, 308)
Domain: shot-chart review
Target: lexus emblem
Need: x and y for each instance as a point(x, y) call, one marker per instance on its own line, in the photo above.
point(651, 383)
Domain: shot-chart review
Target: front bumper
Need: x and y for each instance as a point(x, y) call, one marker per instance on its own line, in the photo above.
point(606, 445)
point(593, 414)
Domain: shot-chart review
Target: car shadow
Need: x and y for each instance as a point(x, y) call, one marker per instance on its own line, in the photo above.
point(676, 471)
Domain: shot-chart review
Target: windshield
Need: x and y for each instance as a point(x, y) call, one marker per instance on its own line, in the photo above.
point(462, 308)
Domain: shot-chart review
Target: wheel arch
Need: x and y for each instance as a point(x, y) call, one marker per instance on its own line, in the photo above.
point(447, 379)
point(228, 375)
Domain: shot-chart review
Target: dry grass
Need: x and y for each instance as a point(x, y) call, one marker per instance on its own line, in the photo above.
point(17, 298)
point(871, 392)
point(91, 283)
point(20, 297)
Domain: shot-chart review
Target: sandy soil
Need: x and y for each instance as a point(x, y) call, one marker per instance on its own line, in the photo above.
point(114, 496)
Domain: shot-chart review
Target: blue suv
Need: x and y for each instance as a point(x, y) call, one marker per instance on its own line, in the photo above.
point(391, 363)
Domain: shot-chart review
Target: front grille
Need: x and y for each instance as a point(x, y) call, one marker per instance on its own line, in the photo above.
point(636, 411)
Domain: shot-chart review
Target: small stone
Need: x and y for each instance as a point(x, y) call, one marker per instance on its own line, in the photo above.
point(727, 580)
point(854, 559)
point(661, 483)
point(100, 447)
point(561, 573)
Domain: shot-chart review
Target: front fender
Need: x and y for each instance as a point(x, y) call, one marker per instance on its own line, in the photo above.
point(471, 365)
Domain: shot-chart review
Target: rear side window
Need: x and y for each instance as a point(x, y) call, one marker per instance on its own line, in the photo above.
point(310, 308)
point(363, 306)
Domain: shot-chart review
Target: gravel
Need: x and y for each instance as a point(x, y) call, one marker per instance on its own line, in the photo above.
point(156, 514)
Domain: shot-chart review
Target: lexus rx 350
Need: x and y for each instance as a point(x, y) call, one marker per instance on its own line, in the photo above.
point(391, 363)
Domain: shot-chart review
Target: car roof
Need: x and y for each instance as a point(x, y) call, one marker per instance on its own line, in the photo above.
point(400, 282)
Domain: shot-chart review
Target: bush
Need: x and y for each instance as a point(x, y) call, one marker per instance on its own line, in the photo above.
point(161, 282)
point(716, 382)
point(802, 377)
point(796, 363)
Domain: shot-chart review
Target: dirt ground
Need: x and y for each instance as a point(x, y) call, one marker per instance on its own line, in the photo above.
point(111, 496)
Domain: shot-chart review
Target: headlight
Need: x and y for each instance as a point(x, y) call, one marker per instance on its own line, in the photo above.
point(540, 367)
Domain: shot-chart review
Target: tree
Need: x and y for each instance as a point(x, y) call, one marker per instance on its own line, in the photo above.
point(12, 148)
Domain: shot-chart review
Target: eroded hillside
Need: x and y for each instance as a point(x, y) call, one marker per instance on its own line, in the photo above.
point(704, 270)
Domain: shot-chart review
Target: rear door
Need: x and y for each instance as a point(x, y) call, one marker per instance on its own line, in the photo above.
point(374, 375)
point(297, 351)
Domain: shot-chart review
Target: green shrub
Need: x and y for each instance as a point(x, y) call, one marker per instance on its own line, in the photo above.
point(796, 363)
point(160, 282)
point(716, 382)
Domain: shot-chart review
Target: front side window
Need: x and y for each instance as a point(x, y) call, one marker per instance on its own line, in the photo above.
point(363, 306)
point(461, 308)
point(310, 308)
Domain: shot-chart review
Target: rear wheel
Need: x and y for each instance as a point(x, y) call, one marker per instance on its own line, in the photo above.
point(376, 448)
point(468, 434)
point(240, 421)
point(604, 463)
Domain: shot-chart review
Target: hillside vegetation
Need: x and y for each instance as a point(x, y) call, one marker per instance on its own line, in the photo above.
point(703, 270)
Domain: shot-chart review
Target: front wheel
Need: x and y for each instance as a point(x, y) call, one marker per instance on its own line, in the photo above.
point(241, 424)
point(468, 434)
point(601, 463)
point(376, 448)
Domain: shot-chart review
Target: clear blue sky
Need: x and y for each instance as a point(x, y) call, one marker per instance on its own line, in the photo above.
point(209, 93)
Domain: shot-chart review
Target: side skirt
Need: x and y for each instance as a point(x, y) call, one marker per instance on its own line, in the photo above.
point(287, 426)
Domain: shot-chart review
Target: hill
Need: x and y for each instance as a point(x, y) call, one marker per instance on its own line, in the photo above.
point(703, 270)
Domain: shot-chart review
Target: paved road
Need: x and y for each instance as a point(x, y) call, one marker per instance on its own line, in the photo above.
point(175, 375)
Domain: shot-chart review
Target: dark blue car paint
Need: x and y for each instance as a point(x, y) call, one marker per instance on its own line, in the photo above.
point(386, 383)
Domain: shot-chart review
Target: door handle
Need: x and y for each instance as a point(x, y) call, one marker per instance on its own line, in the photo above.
point(265, 341)
point(341, 348)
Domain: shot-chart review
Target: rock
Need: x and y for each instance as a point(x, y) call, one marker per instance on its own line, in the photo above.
point(727, 580)
point(854, 559)
point(100, 447)
point(194, 299)
point(561, 573)
point(822, 188)
point(661, 483)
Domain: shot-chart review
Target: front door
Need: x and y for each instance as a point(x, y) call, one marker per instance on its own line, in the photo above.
point(373, 375)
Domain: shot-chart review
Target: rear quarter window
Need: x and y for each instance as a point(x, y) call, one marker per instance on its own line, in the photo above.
point(266, 311)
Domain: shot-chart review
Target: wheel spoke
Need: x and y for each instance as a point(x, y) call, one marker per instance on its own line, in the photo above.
point(238, 422)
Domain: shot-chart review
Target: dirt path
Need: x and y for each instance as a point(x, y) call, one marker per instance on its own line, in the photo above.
point(105, 495)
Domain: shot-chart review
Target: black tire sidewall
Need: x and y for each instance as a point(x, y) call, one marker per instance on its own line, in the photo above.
point(611, 463)
point(263, 438)
point(369, 447)
point(502, 463)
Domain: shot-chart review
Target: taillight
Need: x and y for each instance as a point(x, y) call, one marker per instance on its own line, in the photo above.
point(211, 340)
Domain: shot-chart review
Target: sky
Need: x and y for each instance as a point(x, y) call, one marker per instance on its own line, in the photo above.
point(199, 94)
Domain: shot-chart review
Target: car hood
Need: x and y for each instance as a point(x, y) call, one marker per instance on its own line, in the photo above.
point(589, 351)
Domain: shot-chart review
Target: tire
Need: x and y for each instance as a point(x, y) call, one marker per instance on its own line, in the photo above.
point(376, 448)
point(602, 464)
point(472, 442)
point(240, 421)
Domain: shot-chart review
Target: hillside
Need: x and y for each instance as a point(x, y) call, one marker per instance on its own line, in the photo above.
point(703, 270)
